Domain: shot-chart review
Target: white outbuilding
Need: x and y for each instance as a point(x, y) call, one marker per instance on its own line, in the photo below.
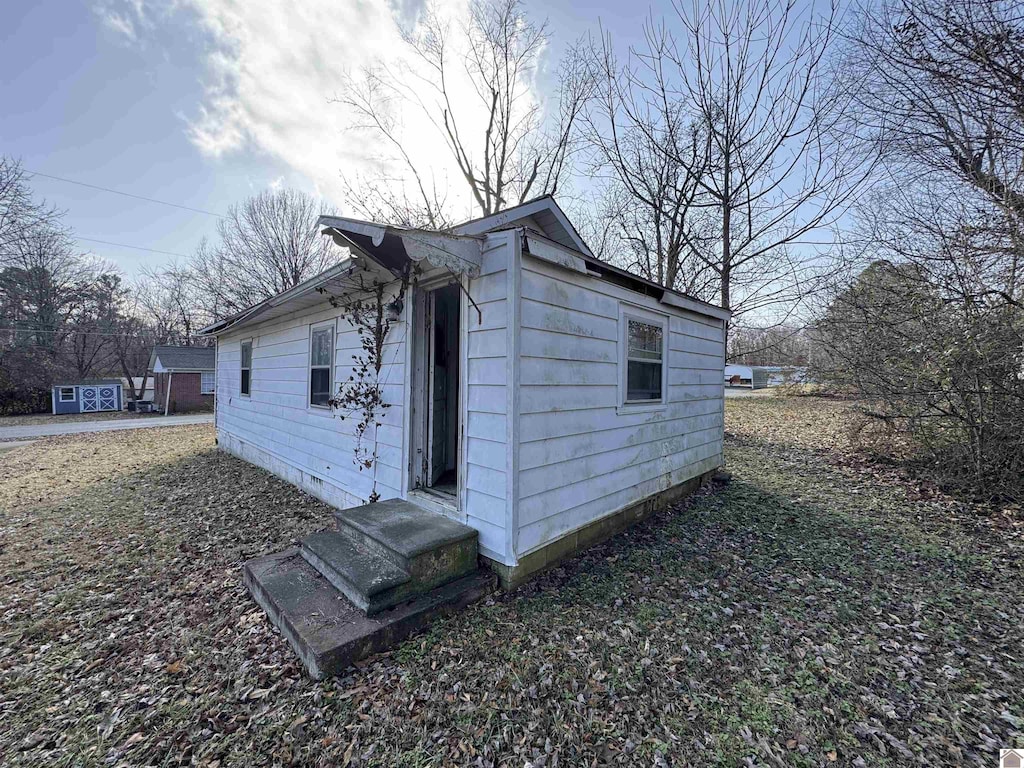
point(748, 376)
point(534, 393)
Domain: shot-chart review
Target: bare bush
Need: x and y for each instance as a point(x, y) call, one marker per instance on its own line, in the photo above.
point(931, 335)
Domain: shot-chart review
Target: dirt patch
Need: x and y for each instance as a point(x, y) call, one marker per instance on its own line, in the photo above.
point(812, 613)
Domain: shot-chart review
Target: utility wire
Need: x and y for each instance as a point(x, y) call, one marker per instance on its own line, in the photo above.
point(133, 247)
point(108, 242)
point(126, 194)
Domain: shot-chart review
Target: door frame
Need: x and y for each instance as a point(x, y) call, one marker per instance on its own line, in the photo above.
point(421, 383)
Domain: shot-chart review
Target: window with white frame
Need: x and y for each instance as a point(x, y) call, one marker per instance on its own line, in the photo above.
point(246, 383)
point(644, 363)
point(321, 361)
point(207, 382)
point(67, 394)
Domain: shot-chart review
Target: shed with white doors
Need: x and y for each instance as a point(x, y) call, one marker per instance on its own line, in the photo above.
point(90, 396)
point(537, 394)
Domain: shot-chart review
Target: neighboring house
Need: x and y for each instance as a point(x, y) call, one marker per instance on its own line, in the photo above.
point(88, 396)
point(751, 377)
point(542, 397)
point(184, 378)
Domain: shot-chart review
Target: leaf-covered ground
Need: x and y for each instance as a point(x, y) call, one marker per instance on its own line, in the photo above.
point(817, 611)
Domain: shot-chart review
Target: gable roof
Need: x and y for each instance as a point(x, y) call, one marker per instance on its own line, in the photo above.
point(543, 210)
point(542, 224)
point(183, 358)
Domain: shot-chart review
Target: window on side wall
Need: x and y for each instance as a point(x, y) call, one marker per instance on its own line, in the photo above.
point(67, 394)
point(246, 384)
point(321, 361)
point(644, 338)
point(207, 382)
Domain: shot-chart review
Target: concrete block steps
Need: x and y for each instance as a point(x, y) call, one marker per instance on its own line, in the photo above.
point(370, 581)
point(381, 575)
point(431, 548)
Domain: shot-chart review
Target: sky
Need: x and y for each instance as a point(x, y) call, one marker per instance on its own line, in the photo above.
point(202, 103)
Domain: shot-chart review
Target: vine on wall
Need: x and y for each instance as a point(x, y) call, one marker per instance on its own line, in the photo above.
point(372, 310)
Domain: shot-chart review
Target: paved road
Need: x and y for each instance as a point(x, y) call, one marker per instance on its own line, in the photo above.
point(78, 427)
point(743, 392)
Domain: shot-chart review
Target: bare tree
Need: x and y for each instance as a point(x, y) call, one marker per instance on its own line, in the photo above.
point(652, 197)
point(945, 103)
point(267, 245)
point(513, 153)
point(20, 213)
point(169, 300)
point(736, 96)
point(931, 335)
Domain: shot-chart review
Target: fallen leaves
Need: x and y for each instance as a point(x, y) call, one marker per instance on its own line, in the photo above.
point(817, 611)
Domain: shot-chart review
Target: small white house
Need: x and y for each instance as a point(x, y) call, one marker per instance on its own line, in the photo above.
point(537, 394)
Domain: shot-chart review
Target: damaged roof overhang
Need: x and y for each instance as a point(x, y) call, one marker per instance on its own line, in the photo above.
point(394, 248)
point(544, 248)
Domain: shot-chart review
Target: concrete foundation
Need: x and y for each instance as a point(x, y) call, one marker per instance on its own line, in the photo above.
point(539, 560)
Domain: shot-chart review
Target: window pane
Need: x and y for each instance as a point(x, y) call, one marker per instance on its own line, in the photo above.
point(319, 386)
point(245, 381)
point(644, 340)
point(207, 383)
point(67, 393)
point(247, 354)
point(321, 352)
point(643, 381)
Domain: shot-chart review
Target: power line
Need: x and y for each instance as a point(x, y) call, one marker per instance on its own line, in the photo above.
point(126, 194)
point(133, 247)
point(119, 245)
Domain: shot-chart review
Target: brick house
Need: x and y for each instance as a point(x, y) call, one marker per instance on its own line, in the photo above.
point(184, 378)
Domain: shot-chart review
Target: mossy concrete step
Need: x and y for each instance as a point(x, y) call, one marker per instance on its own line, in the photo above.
point(431, 548)
point(370, 580)
point(326, 630)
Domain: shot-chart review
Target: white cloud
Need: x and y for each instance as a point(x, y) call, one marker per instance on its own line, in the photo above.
point(272, 67)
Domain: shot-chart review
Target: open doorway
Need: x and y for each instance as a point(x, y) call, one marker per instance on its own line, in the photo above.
point(439, 385)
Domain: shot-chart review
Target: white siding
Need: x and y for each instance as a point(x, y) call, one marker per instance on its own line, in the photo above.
point(581, 455)
point(276, 428)
point(486, 413)
point(547, 446)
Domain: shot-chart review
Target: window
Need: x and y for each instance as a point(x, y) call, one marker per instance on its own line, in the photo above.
point(67, 394)
point(644, 347)
point(321, 357)
point(246, 367)
point(207, 382)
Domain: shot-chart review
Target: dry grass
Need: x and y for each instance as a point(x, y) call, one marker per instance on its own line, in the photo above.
point(816, 612)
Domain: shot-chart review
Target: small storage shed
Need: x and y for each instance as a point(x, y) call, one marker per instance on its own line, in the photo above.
point(749, 376)
point(88, 396)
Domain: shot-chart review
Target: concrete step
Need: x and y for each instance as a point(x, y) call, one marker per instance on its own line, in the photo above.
point(368, 579)
point(431, 548)
point(326, 630)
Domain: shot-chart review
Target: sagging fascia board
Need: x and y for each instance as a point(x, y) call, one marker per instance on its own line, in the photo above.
point(460, 254)
point(550, 251)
